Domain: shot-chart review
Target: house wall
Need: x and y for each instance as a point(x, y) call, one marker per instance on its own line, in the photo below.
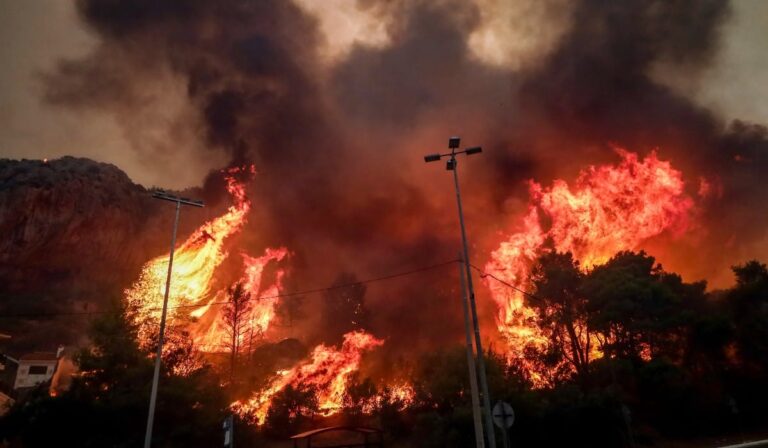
point(25, 379)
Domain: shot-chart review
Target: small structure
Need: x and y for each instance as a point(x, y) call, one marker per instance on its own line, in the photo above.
point(35, 368)
point(339, 437)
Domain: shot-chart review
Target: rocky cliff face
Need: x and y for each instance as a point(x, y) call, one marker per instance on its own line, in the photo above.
point(73, 234)
point(61, 217)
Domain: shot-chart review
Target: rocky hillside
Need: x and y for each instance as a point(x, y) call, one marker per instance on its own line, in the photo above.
point(73, 233)
point(62, 216)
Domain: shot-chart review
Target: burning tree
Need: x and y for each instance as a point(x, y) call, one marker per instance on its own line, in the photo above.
point(344, 308)
point(609, 208)
point(235, 319)
point(562, 309)
point(638, 309)
point(627, 308)
point(194, 267)
point(327, 372)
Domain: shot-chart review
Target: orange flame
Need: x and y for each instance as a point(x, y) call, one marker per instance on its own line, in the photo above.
point(210, 334)
point(192, 301)
point(401, 394)
point(327, 371)
point(610, 208)
point(194, 266)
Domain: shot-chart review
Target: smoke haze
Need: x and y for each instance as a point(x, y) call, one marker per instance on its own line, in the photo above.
point(337, 123)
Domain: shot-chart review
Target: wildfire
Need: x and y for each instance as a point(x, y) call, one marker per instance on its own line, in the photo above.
point(210, 334)
point(608, 209)
point(326, 371)
point(400, 393)
point(195, 263)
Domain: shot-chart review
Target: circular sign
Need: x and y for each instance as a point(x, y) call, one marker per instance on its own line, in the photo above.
point(503, 414)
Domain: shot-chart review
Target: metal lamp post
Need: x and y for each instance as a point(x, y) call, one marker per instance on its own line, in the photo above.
point(452, 165)
point(158, 359)
point(476, 412)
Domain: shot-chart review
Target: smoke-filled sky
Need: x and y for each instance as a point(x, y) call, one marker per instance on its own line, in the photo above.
point(513, 36)
point(336, 102)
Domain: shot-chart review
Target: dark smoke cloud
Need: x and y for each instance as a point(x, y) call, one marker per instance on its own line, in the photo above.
point(598, 88)
point(341, 182)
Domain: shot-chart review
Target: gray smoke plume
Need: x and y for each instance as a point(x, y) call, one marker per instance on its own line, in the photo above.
point(341, 181)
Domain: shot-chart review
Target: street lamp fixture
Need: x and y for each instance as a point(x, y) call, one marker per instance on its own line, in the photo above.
point(160, 194)
point(452, 165)
point(453, 145)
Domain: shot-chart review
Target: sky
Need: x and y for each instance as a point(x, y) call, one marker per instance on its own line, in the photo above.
point(336, 102)
point(37, 34)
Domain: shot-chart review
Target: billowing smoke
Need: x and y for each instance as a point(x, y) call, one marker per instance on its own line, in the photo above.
point(338, 144)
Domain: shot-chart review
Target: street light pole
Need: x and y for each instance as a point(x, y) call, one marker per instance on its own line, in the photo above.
point(158, 357)
point(452, 165)
point(476, 412)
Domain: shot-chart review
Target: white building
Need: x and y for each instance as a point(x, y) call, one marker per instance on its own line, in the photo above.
point(35, 368)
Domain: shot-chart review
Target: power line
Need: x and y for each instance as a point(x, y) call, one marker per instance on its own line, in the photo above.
point(275, 296)
point(484, 274)
point(331, 288)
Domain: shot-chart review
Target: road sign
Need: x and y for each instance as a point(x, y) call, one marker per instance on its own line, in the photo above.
point(503, 415)
point(229, 430)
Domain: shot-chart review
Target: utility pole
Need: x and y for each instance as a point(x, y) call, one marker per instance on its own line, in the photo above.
point(452, 165)
point(476, 411)
point(158, 357)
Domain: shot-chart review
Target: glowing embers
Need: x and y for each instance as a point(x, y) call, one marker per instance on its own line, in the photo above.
point(326, 373)
point(609, 208)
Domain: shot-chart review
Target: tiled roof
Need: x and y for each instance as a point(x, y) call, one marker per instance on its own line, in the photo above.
point(39, 356)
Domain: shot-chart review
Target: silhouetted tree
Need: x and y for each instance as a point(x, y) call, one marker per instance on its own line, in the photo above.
point(106, 404)
point(749, 301)
point(561, 309)
point(748, 304)
point(290, 410)
point(235, 318)
point(359, 396)
point(639, 310)
point(289, 310)
point(343, 308)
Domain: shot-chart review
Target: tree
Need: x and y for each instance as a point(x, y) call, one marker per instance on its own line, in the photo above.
point(640, 310)
point(561, 309)
point(106, 403)
point(343, 308)
point(290, 409)
point(359, 396)
point(235, 317)
point(289, 310)
point(749, 305)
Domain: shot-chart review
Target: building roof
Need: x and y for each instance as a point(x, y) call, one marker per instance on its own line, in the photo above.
point(39, 356)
